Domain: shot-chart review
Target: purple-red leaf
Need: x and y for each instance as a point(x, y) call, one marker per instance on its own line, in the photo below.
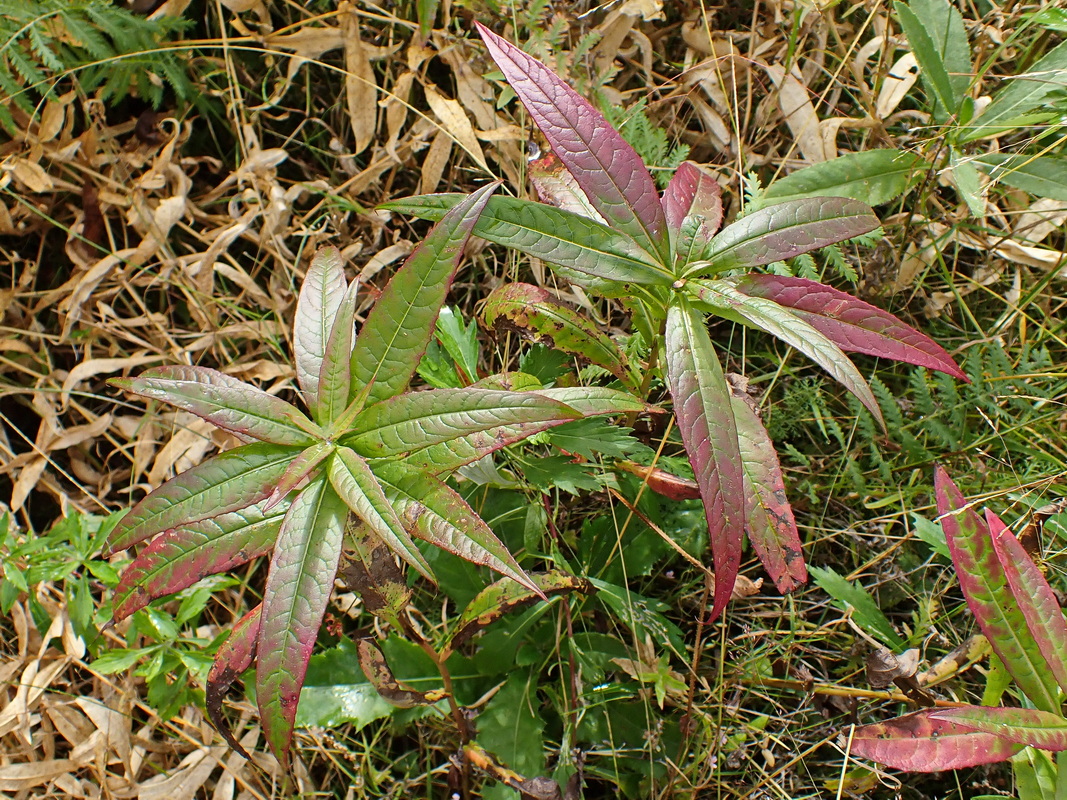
point(299, 468)
point(320, 296)
point(227, 482)
point(234, 656)
point(850, 323)
point(1020, 725)
point(662, 482)
point(706, 423)
point(181, 557)
point(223, 401)
point(989, 596)
point(298, 589)
point(772, 530)
point(1037, 602)
point(398, 329)
point(606, 168)
point(438, 515)
point(921, 742)
point(692, 203)
point(785, 230)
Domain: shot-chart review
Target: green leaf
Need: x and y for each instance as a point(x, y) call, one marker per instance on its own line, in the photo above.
point(510, 726)
point(785, 230)
point(1023, 93)
point(968, 183)
point(460, 341)
point(559, 472)
point(945, 27)
point(120, 660)
point(587, 437)
point(227, 482)
point(438, 515)
point(357, 485)
point(538, 315)
point(928, 55)
point(791, 329)
point(223, 401)
point(702, 408)
point(1044, 176)
point(550, 234)
point(417, 420)
point(864, 610)
point(321, 295)
point(335, 375)
point(871, 176)
point(294, 602)
point(399, 327)
point(337, 693)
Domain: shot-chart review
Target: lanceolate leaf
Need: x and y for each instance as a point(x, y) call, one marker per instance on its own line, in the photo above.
point(353, 480)
point(1020, 725)
point(772, 530)
point(1022, 94)
point(223, 401)
point(709, 433)
point(436, 514)
point(234, 656)
point(320, 297)
point(921, 742)
point(1044, 619)
point(692, 203)
point(371, 571)
point(299, 468)
point(540, 316)
point(550, 234)
point(935, 76)
point(417, 420)
point(399, 327)
point(335, 376)
point(294, 601)
point(785, 230)
point(503, 597)
point(850, 323)
point(586, 400)
point(181, 557)
point(607, 169)
point(989, 596)
point(377, 670)
point(779, 322)
point(870, 176)
point(227, 482)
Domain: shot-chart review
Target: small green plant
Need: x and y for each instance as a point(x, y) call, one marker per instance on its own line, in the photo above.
point(610, 231)
point(1015, 608)
point(361, 472)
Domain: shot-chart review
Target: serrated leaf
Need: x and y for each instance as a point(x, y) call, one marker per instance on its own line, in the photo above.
point(706, 423)
point(223, 401)
point(358, 486)
point(418, 420)
point(399, 327)
point(772, 530)
point(1020, 725)
point(1037, 602)
point(551, 234)
point(229, 481)
point(864, 610)
point(538, 315)
point(1022, 94)
point(607, 169)
point(335, 375)
point(870, 176)
point(968, 184)
point(376, 668)
point(504, 596)
point(1044, 176)
point(320, 296)
point(438, 515)
point(234, 657)
point(785, 230)
point(934, 75)
point(294, 601)
point(692, 203)
point(850, 323)
point(920, 742)
point(791, 329)
point(179, 558)
point(593, 435)
point(984, 585)
point(442, 458)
